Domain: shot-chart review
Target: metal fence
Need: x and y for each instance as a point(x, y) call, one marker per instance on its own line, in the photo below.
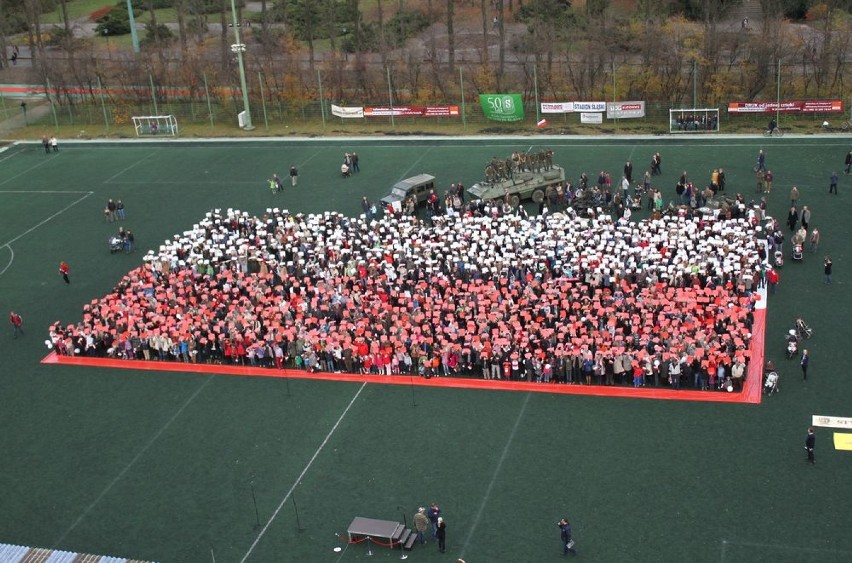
point(113, 115)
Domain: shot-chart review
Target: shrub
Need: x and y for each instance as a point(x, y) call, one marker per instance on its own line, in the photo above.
point(115, 22)
point(154, 35)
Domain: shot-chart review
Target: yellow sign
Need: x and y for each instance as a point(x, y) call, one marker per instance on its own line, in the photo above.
point(843, 441)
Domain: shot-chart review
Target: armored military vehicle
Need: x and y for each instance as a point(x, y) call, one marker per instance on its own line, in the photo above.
point(519, 177)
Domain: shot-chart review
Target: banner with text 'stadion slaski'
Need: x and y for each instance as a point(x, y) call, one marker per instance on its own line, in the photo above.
point(502, 107)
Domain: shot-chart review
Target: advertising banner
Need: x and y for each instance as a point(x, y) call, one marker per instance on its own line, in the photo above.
point(502, 107)
point(589, 106)
point(593, 118)
point(557, 107)
point(347, 112)
point(795, 106)
point(412, 111)
point(625, 110)
point(832, 421)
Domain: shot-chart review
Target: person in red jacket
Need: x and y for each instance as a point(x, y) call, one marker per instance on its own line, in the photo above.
point(16, 321)
point(773, 279)
point(64, 270)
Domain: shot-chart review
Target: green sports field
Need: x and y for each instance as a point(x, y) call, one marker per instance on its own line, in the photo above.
point(162, 466)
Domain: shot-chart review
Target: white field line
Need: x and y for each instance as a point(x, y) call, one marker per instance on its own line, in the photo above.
point(302, 474)
point(133, 461)
point(494, 476)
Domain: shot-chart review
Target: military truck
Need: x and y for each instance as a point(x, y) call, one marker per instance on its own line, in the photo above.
point(418, 186)
point(523, 185)
point(519, 181)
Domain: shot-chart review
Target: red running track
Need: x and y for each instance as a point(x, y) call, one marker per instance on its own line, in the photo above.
point(751, 392)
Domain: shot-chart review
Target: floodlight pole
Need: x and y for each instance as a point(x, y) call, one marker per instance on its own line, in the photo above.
point(694, 84)
point(778, 94)
point(390, 96)
point(239, 48)
point(133, 37)
point(535, 83)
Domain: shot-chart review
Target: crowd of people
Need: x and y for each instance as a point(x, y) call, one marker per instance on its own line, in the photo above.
point(553, 298)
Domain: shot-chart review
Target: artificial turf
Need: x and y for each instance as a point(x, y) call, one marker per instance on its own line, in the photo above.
point(161, 466)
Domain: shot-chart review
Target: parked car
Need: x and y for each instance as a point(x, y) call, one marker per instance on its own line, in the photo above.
point(420, 186)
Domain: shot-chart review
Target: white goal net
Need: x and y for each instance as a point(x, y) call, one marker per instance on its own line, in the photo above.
point(694, 120)
point(151, 125)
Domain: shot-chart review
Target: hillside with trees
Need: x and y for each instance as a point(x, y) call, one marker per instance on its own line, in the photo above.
point(426, 51)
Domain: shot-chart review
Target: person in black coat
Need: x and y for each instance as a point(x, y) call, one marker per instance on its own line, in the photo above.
point(442, 535)
point(565, 534)
point(793, 218)
point(810, 442)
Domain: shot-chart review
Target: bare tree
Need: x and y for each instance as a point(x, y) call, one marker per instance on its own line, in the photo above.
point(224, 45)
point(34, 38)
point(331, 24)
point(483, 56)
point(383, 46)
point(501, 53)
point(63, 7)
point(451, 38)
point(180, 13)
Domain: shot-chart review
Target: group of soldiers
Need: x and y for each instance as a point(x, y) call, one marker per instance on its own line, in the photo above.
point(504, 169)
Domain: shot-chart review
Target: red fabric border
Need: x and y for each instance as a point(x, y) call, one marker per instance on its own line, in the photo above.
point(751, 392)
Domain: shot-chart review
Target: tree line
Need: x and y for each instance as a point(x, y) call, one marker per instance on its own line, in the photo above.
point(428, 50)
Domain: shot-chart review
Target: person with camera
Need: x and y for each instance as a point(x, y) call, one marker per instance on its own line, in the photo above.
point(827, 268)
point(567, 540)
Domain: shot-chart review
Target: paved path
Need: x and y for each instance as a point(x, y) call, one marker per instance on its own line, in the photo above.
point(16, 117)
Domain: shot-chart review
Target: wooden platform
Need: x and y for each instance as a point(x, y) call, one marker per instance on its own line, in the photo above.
point(384, 532)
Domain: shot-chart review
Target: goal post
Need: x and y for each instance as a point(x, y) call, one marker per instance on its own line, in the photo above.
point(694, 120)
point(152, 125)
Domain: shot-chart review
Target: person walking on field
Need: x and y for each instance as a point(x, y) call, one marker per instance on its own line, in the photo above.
point(16, 321)
point(567, 539)
point(794, 196)
point(810, 444)
point(805, 361)
point(294, 176)
point(64, 270)
point(832, 187)
point(805, 217)
point(848, 162)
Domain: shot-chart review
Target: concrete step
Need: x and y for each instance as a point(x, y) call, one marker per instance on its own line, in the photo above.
point(408, 545)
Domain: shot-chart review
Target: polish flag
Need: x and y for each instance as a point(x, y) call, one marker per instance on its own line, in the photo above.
point(542, 123)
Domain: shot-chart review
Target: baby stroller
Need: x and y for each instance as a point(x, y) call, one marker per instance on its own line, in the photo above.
point(792, 344)
point(115, 244)
point(796, 253)
point(803, 330)
point(770, 386)
point(778, 259)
